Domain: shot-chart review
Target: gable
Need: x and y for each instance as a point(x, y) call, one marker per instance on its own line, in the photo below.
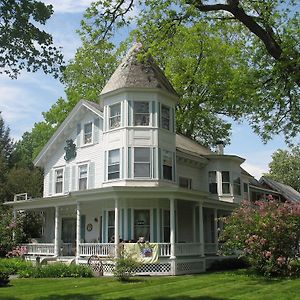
point(71, 128)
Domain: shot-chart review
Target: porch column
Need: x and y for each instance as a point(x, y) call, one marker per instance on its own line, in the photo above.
point(116, 225)
point(216, 228)
point(14, 222)
point(56, 232)
point(78, 228)
point(201, 230)
point(172, 227)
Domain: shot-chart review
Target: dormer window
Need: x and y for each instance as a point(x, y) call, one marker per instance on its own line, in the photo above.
point(141, 113)
point(165, 117)
point(87, 133)
point(115, 116)
point(59, 174)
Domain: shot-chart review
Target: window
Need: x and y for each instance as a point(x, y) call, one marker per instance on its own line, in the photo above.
point(212, 179)
point(246, 190)
point(237, 186)
point(111, 225)
point(165, 117)
point(142, 224)
point(142, 162)
point(225, 182)
point(82, 177)
point(185, 182)
point(141, 115)
point(59, 174)
point(166, 223)
point(115, 116)
point(167, 165)
point(114, 164)
point(87, 133)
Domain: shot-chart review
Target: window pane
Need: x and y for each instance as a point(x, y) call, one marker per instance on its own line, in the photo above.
point(83, 171)
point(226, 188)
point(185, 182)
point(142, 154)
point(88, 133)
point(114, 156)
point(213, 188)
point(245, 187)
point(82, 184)
point(113, 164)
point(58, 187)
point(167, 172)
point(142, 170)
point(141, 107)
point(142, 224)
point(115, 110)
point(167, 158)
point(165, 111)
point(111, 218)
point(141, 113)
point(115, 116)
point(225, 176)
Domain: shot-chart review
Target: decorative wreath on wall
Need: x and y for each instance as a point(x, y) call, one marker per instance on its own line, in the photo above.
point(89, 227)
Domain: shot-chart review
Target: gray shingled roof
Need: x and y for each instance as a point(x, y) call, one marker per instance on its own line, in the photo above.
point(134, 73)
point(286, 191)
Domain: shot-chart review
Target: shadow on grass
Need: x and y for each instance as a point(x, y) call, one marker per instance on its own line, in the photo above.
point(69, 297)
point(181, 297)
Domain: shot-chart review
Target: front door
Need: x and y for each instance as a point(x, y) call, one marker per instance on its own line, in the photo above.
point(68, 235)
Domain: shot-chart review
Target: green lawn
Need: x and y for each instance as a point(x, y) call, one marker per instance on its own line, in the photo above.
point(225, 285)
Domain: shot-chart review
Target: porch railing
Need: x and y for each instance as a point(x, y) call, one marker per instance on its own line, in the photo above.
point(210, 248)
point(101, 249)
point(164, 249)
point(187, 249)
point(42, 249)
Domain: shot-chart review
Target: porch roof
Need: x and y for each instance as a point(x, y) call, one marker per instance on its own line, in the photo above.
point(121, 192)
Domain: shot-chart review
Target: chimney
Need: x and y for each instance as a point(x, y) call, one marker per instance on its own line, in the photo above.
point(220, 147)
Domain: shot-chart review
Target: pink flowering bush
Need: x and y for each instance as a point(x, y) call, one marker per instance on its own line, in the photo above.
point(266, 234)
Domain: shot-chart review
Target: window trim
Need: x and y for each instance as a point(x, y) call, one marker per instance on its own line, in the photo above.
point(84, 134)
point(115, 116)
point(108, 165)
point(62, 180)
point(139, 113)
point(87, 175)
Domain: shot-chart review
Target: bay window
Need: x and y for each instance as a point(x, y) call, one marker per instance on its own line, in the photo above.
point(115, 116)
point(113, 164)
point(142, 162)
point(141, 113)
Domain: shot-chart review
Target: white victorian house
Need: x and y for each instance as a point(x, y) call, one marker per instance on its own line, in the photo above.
point(118, 169)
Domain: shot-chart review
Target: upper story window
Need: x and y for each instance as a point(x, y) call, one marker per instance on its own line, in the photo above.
point(246, 190)
point(59, 176)
point(141, 113)
point(87, 133)
point(82, 177)
point(165, 117)
point(167, 165)
point(115, 116)
point(237, 186)
point(225, 182)
point(185, 182)
point(142, 162)
point(212, 179)
point(113, 164)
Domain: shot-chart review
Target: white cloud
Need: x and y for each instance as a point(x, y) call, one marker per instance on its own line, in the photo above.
point(255, 169)
point(69, 6)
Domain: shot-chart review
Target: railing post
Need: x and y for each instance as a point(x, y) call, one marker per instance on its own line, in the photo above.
point(56, 232)
point(201, 229)
point(216, 228)
point(172, 236)
point(116, 226)
point(78, 236)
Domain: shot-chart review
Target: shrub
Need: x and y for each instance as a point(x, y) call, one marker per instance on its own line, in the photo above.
point(266, 234)
point(125, 265)
point(14, 265)
point(4, 277)
point(228, 264)
point(57, 270)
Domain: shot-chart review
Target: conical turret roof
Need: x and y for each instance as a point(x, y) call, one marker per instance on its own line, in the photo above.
point(136, 73)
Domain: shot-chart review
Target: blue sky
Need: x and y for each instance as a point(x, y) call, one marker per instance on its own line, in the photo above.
point(22, 101)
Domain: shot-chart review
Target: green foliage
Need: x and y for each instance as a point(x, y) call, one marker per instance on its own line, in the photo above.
point(266, 234)
point(57, 270)
point(4, 277)
point(228, 264)
point(14, 265)
point(23, 44)
point(125, 265)
point(285, 167)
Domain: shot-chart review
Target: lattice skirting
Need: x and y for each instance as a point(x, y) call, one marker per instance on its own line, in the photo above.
point(190, 266)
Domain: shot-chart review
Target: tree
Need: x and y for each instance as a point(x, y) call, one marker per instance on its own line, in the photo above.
point(269, 35)
point(6, 143)
point(266, 234)
point(285, 167)
point(23, 44)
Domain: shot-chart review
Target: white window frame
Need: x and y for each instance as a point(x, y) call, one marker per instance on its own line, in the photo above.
point(118, 117)
point(87, 175)
point(213, 182)
point(114, 164)
point(84, 133)
point(226, 182)
point(142, 162)
point(145, 114)
point(62, 180)
point(171, 165)
point(164, 118)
